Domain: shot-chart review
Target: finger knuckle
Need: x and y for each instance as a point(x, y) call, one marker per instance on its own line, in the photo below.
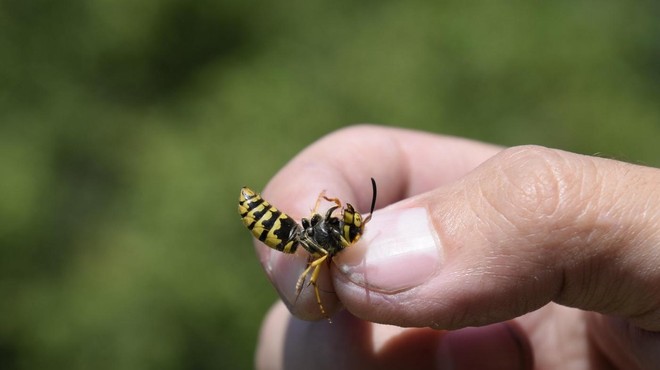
point(540, 186)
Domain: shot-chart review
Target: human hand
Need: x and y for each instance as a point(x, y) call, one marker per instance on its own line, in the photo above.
point(477, 257)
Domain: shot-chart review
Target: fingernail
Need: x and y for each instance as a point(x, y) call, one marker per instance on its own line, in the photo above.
point(398, 251)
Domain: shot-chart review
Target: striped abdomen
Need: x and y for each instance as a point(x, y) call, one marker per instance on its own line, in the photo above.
point(267, 223)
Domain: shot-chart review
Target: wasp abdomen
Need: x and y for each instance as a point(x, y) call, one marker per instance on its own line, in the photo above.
point(271, 226)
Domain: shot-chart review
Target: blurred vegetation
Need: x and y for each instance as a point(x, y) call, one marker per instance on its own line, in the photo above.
point(127, 128)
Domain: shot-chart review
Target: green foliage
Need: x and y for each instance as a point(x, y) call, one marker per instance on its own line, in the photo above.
point(127, 129)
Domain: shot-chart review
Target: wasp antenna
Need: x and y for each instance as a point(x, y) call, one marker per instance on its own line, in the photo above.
point(373, 200)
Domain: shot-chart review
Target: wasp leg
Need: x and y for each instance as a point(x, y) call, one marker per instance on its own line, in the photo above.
point(318, 202)
point(301, 280)
point(334, 200)
point(315, 269)
point(315, 275)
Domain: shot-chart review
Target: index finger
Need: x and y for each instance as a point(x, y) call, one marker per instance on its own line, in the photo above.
point(402, 162)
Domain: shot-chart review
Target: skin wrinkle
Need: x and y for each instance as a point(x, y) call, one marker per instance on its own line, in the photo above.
point(419, 301)
point(586, 200)
point(378, 300)
point(611, 235)
point(585, 231)
point(589, 293)
point(561, 215)
point(457, 317)
point(607, 217)
point(399, 300)
point(519, 280)
point(464, 309)
point(594, 194)
point(642, 216)
point(647, 314)
point(477, 207)
point(492, 236)
point(631, 231)
point(481, 205)
point(570, 211)
point(512, 213)
point(540, 186)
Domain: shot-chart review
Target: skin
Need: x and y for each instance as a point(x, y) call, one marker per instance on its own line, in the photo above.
point(518, 258)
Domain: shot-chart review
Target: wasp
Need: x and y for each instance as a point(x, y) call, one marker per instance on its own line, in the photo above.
point(322, 236)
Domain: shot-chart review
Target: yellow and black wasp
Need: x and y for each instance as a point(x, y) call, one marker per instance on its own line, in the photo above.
point(321, 236)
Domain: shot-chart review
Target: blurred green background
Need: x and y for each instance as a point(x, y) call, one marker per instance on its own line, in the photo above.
point(128, 127)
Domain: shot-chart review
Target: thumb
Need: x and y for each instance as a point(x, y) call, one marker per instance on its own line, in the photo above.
point(530, 226)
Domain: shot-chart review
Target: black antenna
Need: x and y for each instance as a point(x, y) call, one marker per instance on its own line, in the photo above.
point(373, 200)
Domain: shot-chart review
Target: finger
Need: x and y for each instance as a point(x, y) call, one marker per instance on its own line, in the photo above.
point(530, 226)
point(403, 162)
point(350, 343)
point(624, 345)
